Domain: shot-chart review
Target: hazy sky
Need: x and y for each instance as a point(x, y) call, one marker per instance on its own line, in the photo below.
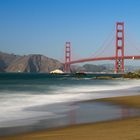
point(43, 26)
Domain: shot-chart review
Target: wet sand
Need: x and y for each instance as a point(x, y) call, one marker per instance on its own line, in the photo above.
point(124, 129)
point(130, 101)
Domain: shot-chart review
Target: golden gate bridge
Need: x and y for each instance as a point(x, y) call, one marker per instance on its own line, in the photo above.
point(118, 58)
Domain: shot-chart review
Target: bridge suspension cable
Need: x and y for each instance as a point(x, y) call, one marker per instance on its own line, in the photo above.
point(133, 46)
point(104, 45)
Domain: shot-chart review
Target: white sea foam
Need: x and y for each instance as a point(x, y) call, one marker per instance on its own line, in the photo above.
point(13, 106)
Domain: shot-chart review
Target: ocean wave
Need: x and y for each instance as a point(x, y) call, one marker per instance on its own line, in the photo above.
point(16, 106)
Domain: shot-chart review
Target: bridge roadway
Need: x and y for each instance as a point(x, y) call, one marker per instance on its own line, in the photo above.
point(133, 57)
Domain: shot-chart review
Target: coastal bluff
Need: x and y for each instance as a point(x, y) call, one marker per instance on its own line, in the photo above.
point(27, 63)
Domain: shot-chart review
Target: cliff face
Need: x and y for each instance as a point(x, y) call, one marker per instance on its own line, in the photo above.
point(6, 59)
point(34, 63)
point(29, 63)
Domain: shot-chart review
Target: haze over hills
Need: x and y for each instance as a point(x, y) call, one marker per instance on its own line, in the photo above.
point(101, 68)
point(40, 63)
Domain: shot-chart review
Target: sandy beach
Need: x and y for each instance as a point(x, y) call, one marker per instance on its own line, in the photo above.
point(130, 101)
point(124, 129)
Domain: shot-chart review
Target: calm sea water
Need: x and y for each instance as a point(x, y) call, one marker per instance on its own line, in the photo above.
point(24, 100)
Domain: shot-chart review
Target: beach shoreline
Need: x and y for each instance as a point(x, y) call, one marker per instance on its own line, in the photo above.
point(101, 130)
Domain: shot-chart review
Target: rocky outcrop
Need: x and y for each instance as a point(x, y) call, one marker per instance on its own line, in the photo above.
point(34, 63)
point(28, 63)
point(6, 59)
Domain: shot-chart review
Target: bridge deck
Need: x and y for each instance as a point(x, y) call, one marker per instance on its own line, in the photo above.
point(101, 58)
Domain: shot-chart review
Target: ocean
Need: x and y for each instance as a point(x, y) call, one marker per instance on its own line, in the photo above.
point(46, 101)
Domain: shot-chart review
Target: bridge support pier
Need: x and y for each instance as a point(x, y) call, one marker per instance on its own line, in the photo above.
point(67, 57)
point(119, 59)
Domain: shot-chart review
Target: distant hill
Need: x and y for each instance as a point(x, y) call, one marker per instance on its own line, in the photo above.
point(6, 59)
point(94, 68)
point(101, 68)
point(89, 68)
point(27, 63)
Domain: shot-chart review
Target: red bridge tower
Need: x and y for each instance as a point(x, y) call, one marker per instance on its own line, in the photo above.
point(119, 61)
point(67, 57)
